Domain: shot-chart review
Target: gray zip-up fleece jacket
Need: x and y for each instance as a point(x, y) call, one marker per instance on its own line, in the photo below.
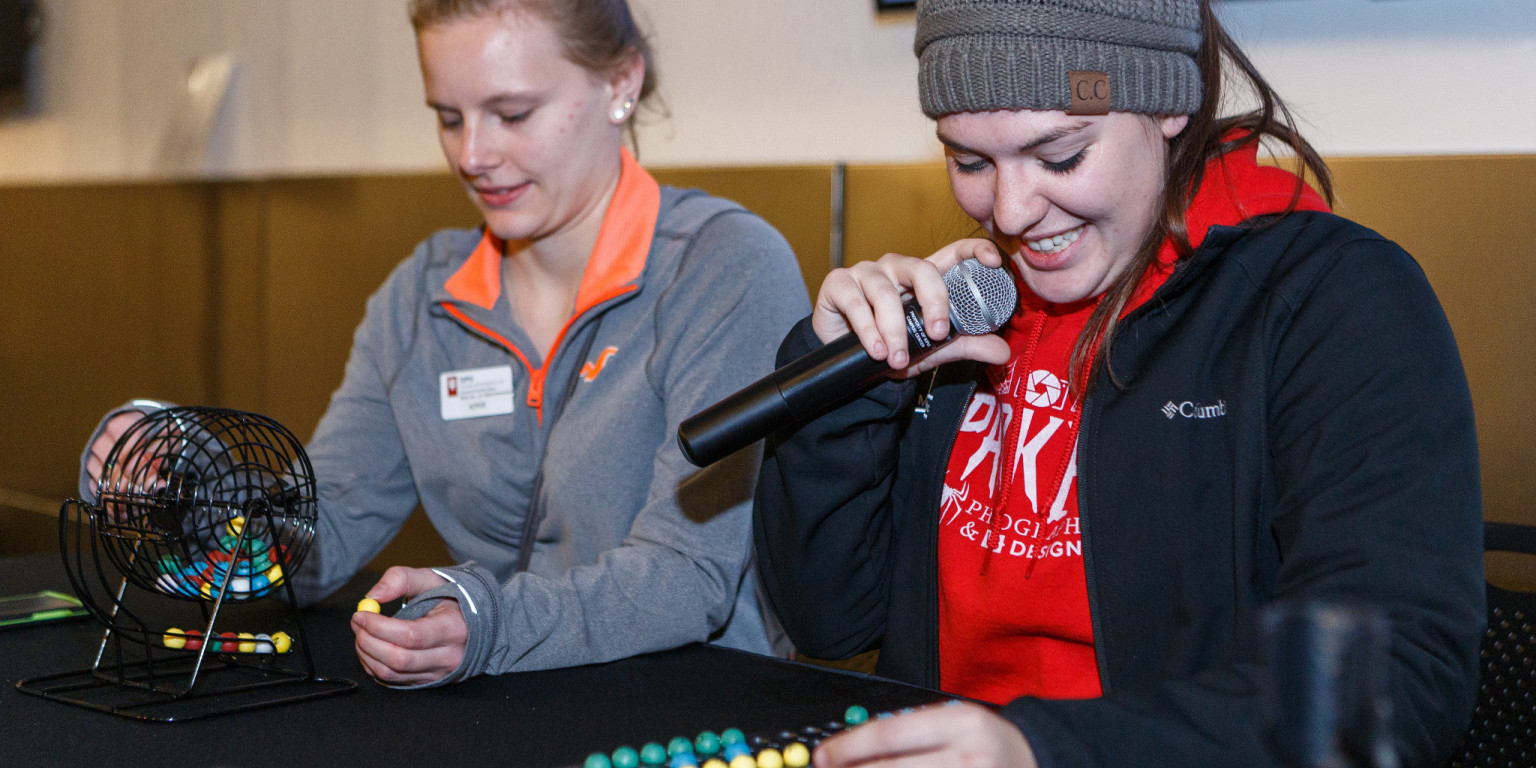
point(634, 550)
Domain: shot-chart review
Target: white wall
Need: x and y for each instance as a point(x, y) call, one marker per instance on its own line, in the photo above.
point(330, 86)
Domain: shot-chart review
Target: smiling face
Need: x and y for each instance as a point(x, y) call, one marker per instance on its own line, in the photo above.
point(1070, 198)
point(532, 136)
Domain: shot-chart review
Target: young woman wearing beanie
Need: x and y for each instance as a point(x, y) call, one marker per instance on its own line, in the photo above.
point(1215, 395)
point(599, 309)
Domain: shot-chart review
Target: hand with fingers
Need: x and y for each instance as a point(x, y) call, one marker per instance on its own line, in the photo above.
point(136, 471)
point(866, 299)
point(102, 447)
point(940, 736)
point(400, 652)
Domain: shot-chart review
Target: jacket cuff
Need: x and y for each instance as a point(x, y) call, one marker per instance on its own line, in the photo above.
point(145, 407)
point(475, 590)
point(799, 342)
point(1044, 737)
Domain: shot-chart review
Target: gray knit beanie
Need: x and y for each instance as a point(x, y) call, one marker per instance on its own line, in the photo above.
point(1119, 55)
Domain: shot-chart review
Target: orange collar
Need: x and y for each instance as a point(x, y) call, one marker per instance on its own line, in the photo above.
point(617, 259)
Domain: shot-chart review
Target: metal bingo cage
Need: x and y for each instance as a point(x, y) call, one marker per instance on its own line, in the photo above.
point(186, 557)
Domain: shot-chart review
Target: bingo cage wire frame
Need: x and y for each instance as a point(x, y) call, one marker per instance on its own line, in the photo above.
point(208, 506)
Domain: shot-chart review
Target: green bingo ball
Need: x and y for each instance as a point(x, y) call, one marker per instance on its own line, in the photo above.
point(653, 754)
point(706, 743)
point(855, 715)
point(626, 757)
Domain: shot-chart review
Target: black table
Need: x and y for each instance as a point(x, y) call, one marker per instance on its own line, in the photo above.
point(551, 718)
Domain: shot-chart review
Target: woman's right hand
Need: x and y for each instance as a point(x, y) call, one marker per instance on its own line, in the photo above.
point(866, 299)
point(114, 429)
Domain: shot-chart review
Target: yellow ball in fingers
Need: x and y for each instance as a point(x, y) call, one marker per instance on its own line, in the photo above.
point(368, 605)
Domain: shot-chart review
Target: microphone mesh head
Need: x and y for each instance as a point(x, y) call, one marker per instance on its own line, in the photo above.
point(981, 298)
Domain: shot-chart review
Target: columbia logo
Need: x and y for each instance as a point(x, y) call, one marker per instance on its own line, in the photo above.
point(1191, 410)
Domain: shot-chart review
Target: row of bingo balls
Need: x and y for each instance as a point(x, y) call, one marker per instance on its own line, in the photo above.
point(728, 750)
point(255, 573)
point(228, 642)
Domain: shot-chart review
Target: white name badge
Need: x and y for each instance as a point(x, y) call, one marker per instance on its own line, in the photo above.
point(475, 392)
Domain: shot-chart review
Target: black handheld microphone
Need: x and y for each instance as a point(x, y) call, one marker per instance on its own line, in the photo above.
point(981, 299)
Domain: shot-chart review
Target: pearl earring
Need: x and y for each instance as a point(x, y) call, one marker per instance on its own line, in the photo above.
point(621, 113)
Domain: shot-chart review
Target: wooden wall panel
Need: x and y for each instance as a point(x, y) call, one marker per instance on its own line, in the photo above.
point(238, 281)
point(1469, 222)
point(906, 209)
point(106, 297)
point(795, 200)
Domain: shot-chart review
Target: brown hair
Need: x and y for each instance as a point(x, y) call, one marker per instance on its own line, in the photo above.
point(598, 35)
point(1201, 141)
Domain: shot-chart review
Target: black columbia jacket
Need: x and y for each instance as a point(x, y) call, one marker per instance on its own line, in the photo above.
point(1293, 422)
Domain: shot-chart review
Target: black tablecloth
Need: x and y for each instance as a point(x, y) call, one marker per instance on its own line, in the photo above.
point(551, 718)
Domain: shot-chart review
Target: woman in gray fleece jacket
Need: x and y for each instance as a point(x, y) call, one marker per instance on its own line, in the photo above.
point(523, 381)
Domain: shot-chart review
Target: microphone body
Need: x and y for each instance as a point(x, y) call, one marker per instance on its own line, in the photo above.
point(981, 300)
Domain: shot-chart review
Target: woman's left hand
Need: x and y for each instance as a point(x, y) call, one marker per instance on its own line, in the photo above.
point(942, 736)
point(399, 652)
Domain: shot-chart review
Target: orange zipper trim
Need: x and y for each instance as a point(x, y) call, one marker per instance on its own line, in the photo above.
point(536, 376)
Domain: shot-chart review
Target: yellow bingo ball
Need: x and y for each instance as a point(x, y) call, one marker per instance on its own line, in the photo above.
point(247, 642)
point(368, 605)
point(275, 575)
point(236, 525)
point(175, 639)
point(770, 758)
point(281, 642)
point(714, 762)
point(743, 761)
point(797, 756)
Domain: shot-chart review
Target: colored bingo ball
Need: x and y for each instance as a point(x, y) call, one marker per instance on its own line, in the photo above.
point(706, 743)
point(368, 605)
point(653, 754)
point(797, 755)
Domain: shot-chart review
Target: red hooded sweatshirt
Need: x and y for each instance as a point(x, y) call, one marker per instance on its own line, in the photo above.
point(1013, 594)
